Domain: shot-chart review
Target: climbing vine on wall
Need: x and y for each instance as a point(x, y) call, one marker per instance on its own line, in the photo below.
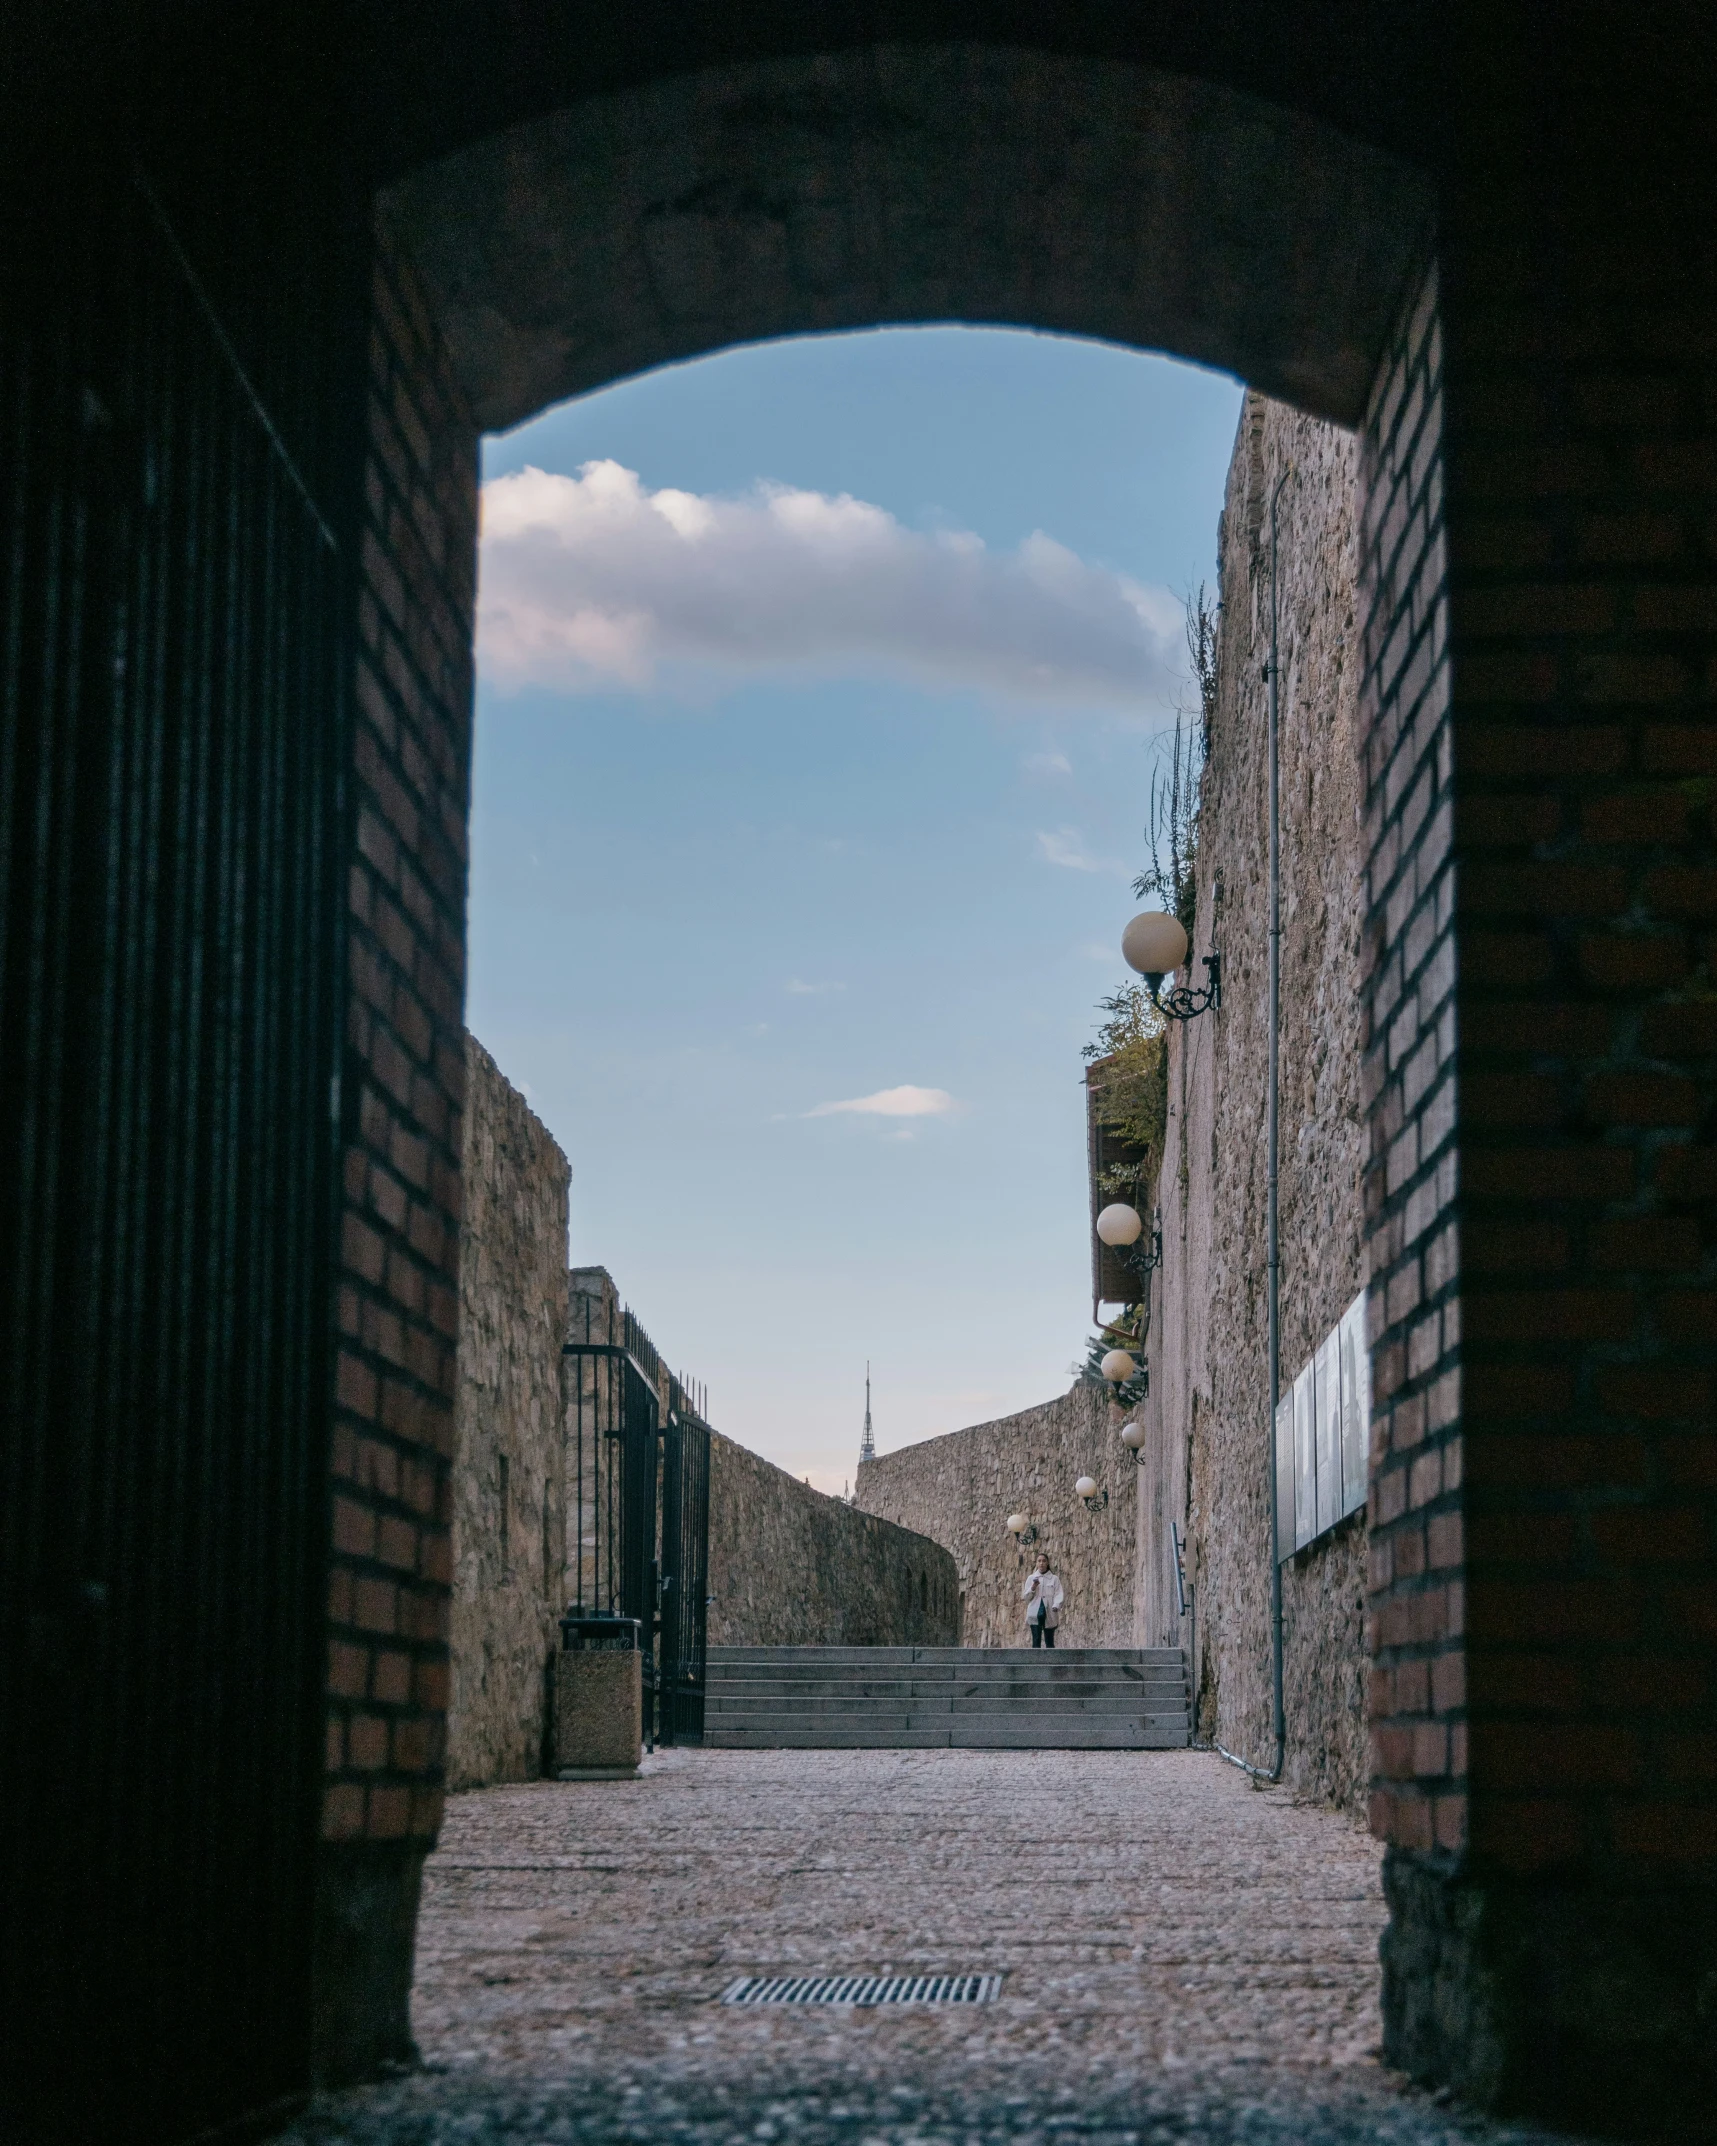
point(1130, 1050)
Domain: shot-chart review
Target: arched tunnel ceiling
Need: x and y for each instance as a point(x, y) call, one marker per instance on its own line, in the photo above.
point(914, 183)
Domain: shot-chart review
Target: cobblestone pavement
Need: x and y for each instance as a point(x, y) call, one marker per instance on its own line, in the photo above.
point(1186, 1958)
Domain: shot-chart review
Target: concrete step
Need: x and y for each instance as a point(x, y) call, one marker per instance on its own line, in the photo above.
point(773, 1707)
point(887, 1656)
point(1064, 1672)
point(986, 1734)
point(1022, 1687)
point(1048, 1661)
point(992, 1698)
point(765, 1710)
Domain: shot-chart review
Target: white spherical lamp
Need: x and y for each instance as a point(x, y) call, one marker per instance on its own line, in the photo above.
point(1117, 1367)
point(1120, 1224)
point(1132, 1435)
point(1016, 1523)
point(1153, 943)
point(1086, 1486)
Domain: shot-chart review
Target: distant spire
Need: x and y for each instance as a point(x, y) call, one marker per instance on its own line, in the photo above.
point(867, 1450)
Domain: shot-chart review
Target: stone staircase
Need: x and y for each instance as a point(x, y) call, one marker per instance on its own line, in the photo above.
point(988, 1698)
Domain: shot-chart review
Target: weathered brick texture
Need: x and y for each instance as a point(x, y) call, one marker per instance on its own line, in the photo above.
point(1583, 441)
point(1538, 629)
point(1549, 1784)
point(402, 1088)
point(1416, 1599)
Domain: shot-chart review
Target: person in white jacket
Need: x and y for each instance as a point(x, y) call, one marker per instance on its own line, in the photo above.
point(1043, 1600)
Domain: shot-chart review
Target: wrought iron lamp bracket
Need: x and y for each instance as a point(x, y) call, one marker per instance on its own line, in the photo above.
point(1181, 1002)
point(1142, 1261)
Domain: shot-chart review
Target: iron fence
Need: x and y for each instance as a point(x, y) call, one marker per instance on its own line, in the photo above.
point(175, 616)
point(685, 1569)
point(637, 1478)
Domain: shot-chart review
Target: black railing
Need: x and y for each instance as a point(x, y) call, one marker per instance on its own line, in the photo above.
point(685, 1570)
point(637, 1478)
point(176, 611)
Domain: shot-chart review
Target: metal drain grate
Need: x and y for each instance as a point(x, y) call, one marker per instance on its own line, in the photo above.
point(864, 1989)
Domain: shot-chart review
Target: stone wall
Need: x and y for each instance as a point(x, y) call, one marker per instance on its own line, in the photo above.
point(508, 1477)
point(789, 1567)
point(1208, 1416)
point(959, 1490)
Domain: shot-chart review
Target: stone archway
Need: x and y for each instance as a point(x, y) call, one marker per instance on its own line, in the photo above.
point(1516, 692)
point(794, 195)
point(915, 183)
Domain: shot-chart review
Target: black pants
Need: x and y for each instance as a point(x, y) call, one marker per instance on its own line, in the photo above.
point(1042, 1635)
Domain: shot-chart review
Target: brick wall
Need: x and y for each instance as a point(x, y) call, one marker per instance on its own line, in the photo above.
point(1539, 644)
point(960, 1489)
point(1556, 1657)
point(402, 1089)
point(1416, 1598)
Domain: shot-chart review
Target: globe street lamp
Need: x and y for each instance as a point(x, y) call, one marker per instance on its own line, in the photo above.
point(1120, 1227)
point(1153, 944)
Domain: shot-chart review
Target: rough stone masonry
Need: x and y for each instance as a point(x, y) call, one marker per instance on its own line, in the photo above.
point(960, 1489)
point(1209, 1412)
point(787, 1566)
point(509, 1488)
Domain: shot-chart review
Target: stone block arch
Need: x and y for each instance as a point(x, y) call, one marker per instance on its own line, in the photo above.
point(1098, 196)
point(991, 184)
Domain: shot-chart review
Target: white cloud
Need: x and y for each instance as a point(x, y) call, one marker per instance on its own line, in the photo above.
point(891, 1103)
point(798, 988)
point(594, 581)
point(1047, 764)
point(1066, 846)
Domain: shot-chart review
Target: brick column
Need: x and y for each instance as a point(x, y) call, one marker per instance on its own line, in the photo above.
point(403, 1088)
point(1417, 1635)
point(1545, 1487)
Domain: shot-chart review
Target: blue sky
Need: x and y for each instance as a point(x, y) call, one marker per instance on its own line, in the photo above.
point(815, 726)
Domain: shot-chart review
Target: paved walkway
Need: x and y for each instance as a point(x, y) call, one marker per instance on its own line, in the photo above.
point(1187, 1958)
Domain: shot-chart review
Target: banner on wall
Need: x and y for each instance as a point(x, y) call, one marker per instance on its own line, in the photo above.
point(1322, 1441)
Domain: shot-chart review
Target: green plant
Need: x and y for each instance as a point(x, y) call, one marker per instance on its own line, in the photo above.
point(1171, 834)
point(1129, 1077)
point(1126, 1332)
point(1128, 1059)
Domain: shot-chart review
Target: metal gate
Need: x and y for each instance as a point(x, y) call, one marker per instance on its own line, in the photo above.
point(685, 1568)
point(175, 605)
point(637, 1477)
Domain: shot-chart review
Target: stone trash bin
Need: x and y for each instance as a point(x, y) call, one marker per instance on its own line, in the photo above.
point(598, 1698)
